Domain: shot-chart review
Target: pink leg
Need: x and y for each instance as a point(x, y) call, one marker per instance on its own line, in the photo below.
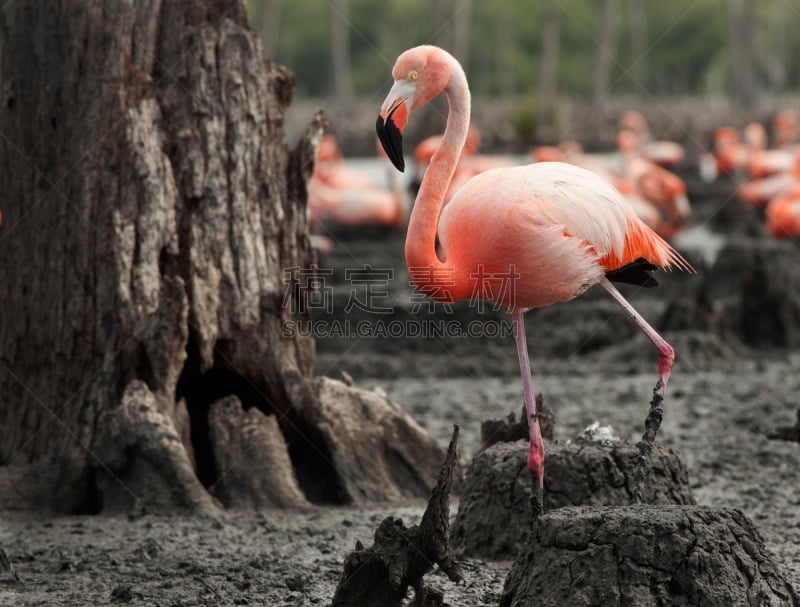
point(666, 356)
point(536, 454)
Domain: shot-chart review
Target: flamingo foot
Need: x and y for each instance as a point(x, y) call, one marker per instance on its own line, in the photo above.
point(651, 425)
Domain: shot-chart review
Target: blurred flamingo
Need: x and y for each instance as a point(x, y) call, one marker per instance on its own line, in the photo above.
point(758, 192)
point(731, 151)
point(786, 128)
point(427, 148)
point(570, 151)
point(655, 184)
point(664, 153)
point(566, 151)
point(350, 198)
point(783, 214)
point(523, 237)
point(657, 196)
point(781, 157)
point(470, 163)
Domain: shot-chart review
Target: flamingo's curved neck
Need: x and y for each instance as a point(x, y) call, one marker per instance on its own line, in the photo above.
point(427, 271)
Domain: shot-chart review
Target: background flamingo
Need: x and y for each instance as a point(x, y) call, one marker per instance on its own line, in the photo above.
point(780, 158)
point(349, 198)
point(524, 237)
point(657, 196)
point(470, 163)
point(655, 184)
point(783, 214)
point(664, 153)
point(758, 192)
point(786, 128)
point(731, 151)
point(427, 148)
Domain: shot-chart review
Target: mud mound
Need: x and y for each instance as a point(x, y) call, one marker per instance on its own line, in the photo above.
point(494, 516)
point(666, 555)
point(757, 283)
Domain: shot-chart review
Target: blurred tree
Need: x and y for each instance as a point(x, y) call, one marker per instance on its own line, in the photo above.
point(674, 47)
point(340, 53)
point(605, 56)
point(637, 23)
point(462, 24)
point(267, 19)
point(503, 56)
point(772, 53)
point(441, 12)
point(548, 82)
point(742, 32)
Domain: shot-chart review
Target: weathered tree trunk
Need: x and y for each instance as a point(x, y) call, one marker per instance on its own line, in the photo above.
point(151, 207)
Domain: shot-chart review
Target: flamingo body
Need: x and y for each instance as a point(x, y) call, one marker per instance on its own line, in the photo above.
point(664, 153)
point(560, 228)
point(783, 214)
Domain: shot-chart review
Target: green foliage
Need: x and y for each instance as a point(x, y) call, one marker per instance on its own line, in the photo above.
point(523, 118)
point(687, 42)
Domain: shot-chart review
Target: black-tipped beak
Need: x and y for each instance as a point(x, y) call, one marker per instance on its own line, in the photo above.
point(391, 139)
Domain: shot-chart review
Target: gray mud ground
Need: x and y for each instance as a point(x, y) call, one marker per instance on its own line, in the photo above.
point(721, 403)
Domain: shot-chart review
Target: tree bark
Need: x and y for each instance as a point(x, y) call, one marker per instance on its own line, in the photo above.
point(151, 207)
point(147, 222)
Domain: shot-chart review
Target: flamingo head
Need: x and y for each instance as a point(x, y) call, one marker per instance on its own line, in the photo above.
point(420, 74)
point(627, 140)
point(634, 121)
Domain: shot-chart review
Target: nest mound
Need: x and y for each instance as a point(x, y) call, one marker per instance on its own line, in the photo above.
point(646, 555)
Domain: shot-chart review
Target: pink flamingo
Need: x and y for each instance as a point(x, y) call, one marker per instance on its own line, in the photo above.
point(731, 152)
point(470, 163)
point(662, 188)
point(572, 152)
point(664, 153)
point(780, 157)
point(783, 214)
point(523, 237)
point(763, 163)
point(609, 169)
point(350, 198)
point(786, 128)
point(758, 192)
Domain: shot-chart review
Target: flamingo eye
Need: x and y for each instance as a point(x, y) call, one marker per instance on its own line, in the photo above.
point(413, 75)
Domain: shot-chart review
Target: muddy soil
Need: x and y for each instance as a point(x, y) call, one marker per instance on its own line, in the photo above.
point(723, 401)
